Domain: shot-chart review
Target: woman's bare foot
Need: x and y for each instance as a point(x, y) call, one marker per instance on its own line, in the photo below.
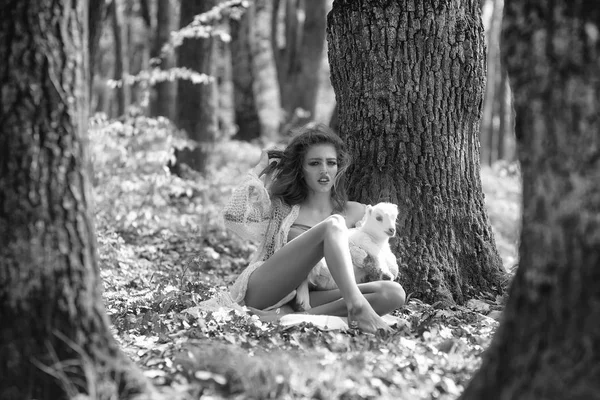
point(271, 315)
point(366, 319)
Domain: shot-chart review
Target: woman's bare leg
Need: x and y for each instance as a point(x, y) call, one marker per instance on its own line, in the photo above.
point(290, 265)
point(384, 297)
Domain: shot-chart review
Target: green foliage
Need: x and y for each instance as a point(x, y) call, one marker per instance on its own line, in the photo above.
point(162, 250)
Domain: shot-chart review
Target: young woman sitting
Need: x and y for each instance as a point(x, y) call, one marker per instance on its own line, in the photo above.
point(294, 203)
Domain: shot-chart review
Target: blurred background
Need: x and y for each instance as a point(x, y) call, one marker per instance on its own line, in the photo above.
point(248, 71)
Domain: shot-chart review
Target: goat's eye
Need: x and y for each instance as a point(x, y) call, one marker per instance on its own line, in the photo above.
point(379, 218)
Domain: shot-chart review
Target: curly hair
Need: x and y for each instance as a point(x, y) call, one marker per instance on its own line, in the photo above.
point(288, 184)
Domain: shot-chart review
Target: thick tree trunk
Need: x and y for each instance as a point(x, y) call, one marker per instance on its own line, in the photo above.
point(197, 103)
point(548, 343)
point(409, 82)
point(55, 339)
point(299, 57)
point(334, 121)
point(165, 102)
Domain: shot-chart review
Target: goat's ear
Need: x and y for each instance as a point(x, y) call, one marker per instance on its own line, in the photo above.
point(361, 222)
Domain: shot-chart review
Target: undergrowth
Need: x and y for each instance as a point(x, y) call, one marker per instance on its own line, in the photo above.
point(163, 249)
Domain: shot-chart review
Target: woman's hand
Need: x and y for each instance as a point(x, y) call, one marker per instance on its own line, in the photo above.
point(263, 163)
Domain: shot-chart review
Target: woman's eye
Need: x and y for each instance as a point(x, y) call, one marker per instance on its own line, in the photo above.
point(332, 163)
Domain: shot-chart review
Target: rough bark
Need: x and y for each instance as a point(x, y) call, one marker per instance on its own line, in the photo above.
point(55, 339)
point(121, 41)
point(334, 121)
point(165, 101)
point(299, 57)
point(197, 103)
point(409, 79)
point(548, 343)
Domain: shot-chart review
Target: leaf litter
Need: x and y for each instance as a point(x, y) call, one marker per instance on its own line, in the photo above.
point(162, 249)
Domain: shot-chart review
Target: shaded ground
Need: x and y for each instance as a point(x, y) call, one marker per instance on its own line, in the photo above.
point(162, 250)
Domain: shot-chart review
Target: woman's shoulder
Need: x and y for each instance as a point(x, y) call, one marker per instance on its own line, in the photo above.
point(354, 212)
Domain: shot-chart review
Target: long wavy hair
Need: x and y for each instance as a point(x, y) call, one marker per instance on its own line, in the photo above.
point(288, 183)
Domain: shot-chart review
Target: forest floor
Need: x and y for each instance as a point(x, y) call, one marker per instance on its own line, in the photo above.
point(162, 249)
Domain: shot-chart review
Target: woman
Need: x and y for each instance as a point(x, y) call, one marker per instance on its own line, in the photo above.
point(301, 195)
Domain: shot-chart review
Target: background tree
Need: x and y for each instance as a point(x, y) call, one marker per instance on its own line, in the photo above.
point(197, 103)
point(226, 111)
point(266, 90)
point(55, 336)
point(246, 113)
point(140, 30)
point(298, 54)
point(548, 343)
point(166, 91)
point(121, 41)
point(96, 15)
point(409, 81)
point(497, 134)
point(255, 89)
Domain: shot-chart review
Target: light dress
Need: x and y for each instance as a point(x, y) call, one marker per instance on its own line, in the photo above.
point(252, 215)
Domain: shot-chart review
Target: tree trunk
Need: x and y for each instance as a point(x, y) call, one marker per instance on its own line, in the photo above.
point(138, 45)
point(56, 341)
point(165, 102)
point(121, 54)
point(409, 85)
point(256, 92)
point(508, 145)
point(265, 87)
point(146, 13)
point(96, 15)
point(197, 104)
point(300, 56)
point(548, 343)
point(246, 113)
point(334, 121)
point(488, 130)
point(226, 110)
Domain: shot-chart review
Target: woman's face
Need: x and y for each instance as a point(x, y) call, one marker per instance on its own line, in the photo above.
point(320, 167)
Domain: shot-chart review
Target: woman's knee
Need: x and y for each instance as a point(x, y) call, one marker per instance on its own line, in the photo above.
point(393, 293)
point(335, 225)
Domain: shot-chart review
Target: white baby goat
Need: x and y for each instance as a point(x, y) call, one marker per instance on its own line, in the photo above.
point(372, 257)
